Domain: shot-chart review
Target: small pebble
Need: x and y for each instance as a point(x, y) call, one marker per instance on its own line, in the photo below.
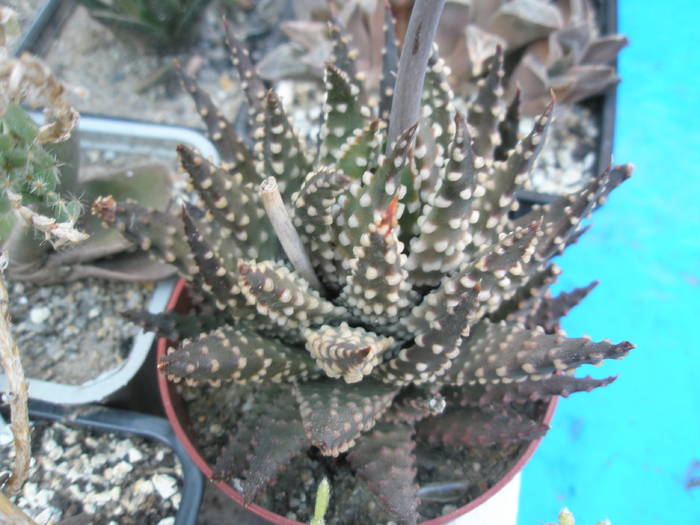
point(165, 485)
point(39, 314)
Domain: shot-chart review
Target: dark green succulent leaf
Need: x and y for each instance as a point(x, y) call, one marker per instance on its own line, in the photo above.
point(361, 149)
point(390, 65)
point(500, 180)
point(438, 109)
point(344, 57)
point(234, 204)
point(343, 114)
point(335, 413)
point(526, 300)
point(160, 233)
point(235, 156)
point(508, 129)
point(496, 271)
point(552, 309)
point(473, 427)
point(282, 153)
point(235, 455)
point(504, 352)
point(523, 391)
point(172, 325)
point(377, 289)
point(434, 350)
point(562, 217)
point(444, 226)
point(216, 280)
point(486, 112)
point(411, 206)
point(350, 353)
point(284, 297)
point(313, 214)
point(251, 82)
point(239, 355)
point(384, 459)
point(371, 201)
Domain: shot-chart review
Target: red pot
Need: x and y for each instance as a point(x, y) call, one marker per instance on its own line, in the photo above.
point(175, 410)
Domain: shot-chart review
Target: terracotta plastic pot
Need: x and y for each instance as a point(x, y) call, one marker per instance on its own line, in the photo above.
point(177, 415)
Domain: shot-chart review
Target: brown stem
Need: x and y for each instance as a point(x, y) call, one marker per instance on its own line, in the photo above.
point(12, 365)
point(417, 46)
point(9, 513)
point(286, 233)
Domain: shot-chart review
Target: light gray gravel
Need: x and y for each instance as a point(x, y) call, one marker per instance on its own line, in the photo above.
point(113, 479)
point(73, 332)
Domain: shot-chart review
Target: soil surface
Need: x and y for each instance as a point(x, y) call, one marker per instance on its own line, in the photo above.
point(107, 477)
point(71, 333)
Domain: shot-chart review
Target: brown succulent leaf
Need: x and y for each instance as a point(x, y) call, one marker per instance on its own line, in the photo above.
point(278, 438)
point(474, 427)
point(335, 413)
point(236, 354)
point(157, 232)
point(504, 352)
point(384, 459)
point(523, 391)
point(551, 309)
point(284, 297)
point(434, 350)
point(377, 289)
point(413, 404)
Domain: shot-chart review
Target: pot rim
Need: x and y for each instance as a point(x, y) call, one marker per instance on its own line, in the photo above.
point(171, 400)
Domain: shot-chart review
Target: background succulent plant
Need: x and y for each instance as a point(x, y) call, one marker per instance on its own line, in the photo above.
point(548, 45)
point(426, 313)
point(163, 25)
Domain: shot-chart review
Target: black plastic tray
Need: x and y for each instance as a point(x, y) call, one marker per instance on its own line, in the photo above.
point(124, 422)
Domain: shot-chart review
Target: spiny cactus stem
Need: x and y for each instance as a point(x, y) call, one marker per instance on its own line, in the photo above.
point(417, 46)
point(286, 233)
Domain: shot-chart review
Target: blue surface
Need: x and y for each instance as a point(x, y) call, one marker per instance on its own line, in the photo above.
point(624, 452)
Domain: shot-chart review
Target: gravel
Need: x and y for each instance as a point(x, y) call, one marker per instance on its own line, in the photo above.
point(71, 333)
point(111, 478)
point(568, 158)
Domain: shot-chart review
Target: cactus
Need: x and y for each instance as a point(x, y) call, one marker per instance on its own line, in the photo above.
point(30, 179)
point(379, 292)
point(40, 184)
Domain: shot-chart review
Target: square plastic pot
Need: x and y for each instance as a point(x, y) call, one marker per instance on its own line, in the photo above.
point(131, 423)
point(128, 384)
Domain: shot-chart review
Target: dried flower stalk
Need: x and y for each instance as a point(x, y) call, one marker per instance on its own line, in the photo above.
point(12, 365)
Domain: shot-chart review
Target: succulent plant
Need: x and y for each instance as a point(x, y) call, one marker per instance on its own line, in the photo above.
point(574, 61)
point(548, 46)
point(370, 292)
point(161, 25)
